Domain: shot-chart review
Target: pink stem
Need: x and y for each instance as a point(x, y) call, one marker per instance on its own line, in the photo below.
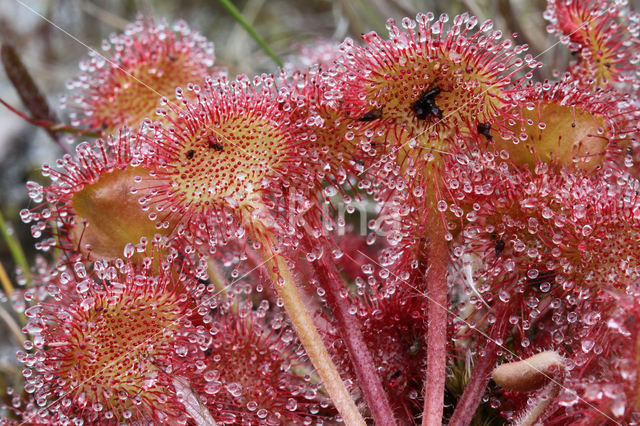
point(476, 387)
point(436, 279)
point(361, 359)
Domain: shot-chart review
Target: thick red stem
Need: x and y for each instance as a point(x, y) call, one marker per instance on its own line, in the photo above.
point(476, 387)
point(361, 359)
point(437, 256)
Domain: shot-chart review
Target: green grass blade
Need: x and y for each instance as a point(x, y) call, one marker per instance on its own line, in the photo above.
point(252, 32)
point(14, 247)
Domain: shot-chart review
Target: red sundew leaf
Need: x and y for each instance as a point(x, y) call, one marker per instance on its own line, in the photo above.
point(429, 81)
point(565, 124)
point(95, 199)
point(424, 94)
point(108, 348)
point(603, 34)
point(124, 85)
point(234, 158)
point(563, 237)
point(252, 367)
point(604, 387)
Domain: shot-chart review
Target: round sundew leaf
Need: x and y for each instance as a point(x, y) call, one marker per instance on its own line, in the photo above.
point(228, 164)
point(125, 84)
point(602, 36)
point(251, 370)
point(429, 83)
point(94, 198)
point(563, 134)
point(109, 216)
point(568, 125)
point(559, 236)
point(110, 342)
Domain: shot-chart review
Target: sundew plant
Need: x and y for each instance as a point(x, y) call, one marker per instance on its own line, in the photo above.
point(413, 227)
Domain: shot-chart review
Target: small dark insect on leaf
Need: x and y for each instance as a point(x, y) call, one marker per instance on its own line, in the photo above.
point(190, 154)
point(213, 143)
point(208, 351)
point(372, 115)
point(485, 129)
point(203, 281)
point(425, 107)
point(396, 374)
point(499, 246)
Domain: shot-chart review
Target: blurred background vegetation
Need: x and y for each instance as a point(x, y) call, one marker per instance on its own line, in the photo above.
point(53, 35)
